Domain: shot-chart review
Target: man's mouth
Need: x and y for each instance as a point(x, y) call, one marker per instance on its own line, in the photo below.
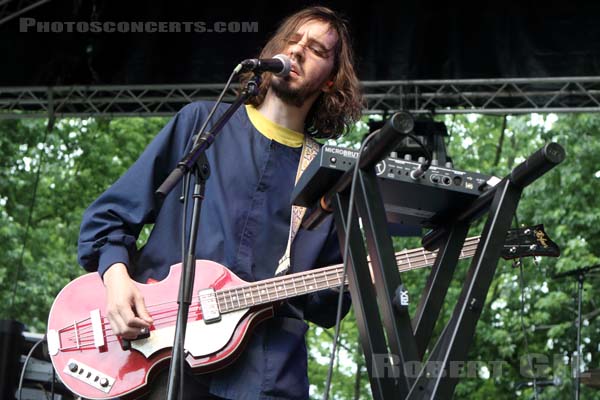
point(295, 70)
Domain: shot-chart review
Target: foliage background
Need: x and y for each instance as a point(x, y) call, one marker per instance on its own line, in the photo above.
point(48, 178)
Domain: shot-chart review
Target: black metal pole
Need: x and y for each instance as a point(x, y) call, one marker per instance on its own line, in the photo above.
point(387, 280)
point(580, 279)
point(195, 161)
point(186, 283)
point(436, 288)
point(379, 365)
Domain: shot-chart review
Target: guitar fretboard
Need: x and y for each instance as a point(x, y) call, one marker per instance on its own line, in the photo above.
point(288, 286)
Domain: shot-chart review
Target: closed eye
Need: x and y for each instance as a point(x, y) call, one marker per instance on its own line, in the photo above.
point(319, 51)
point(315, 47)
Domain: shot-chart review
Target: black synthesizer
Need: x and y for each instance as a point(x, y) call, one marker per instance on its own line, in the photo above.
point(429, 200)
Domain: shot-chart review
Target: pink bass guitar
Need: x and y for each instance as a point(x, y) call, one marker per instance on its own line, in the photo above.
point(96, 364)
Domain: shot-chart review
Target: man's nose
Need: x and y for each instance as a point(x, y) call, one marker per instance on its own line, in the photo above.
point(297, 50)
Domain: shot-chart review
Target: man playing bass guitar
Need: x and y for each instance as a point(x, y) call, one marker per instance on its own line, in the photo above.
point(245, 219)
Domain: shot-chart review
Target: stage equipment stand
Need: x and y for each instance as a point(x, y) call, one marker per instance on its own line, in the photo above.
point(394, 345)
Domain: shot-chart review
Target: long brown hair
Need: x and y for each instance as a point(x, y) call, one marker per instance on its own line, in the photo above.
point(334, 112)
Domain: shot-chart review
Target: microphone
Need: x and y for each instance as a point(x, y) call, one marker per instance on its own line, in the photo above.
point(576, 272)
point(279, 65)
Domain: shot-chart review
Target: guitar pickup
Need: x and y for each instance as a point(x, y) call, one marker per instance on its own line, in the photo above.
point(209, 306)
point(98, 330)
point(126, 343)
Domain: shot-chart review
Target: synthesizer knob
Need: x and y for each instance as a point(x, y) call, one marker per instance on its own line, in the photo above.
point(434, 163)
point(448, 164)
point(394, 154)
point(408, 157)
point(421, 160)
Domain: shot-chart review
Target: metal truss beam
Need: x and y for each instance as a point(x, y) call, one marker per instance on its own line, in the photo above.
point(484, 96)
point(10, 9)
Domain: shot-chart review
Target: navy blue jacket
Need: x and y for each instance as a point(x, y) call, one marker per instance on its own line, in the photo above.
point(244, 226)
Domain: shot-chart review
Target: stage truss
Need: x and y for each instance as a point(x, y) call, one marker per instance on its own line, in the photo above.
point(10, 9)
point(483, 96)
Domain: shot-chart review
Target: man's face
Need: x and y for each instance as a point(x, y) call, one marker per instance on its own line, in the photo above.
point(311, 50)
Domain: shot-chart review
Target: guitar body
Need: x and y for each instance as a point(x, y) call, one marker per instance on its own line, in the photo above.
point(85, 361)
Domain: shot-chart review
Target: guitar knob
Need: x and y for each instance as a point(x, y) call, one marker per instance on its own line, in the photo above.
point(527, 231)
point(73, 367)
point(104, 382)
point(513, 250)
point(532, 247)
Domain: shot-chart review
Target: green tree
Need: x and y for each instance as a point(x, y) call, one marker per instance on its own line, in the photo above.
point(48, 179)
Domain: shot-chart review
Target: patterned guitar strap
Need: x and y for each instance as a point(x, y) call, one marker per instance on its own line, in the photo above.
point(310, 148)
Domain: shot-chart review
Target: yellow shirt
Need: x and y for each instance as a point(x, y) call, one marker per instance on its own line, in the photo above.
point(273, 131)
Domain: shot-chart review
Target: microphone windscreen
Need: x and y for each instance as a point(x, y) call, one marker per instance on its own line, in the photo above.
point(287, 65)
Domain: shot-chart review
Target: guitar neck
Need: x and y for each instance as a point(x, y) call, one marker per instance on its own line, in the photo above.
point(284, 287)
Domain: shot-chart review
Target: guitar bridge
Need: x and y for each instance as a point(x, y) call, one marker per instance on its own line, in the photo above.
point(53, 339)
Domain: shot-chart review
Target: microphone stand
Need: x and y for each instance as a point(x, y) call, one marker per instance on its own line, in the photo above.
point(539, 385)
point(580, 275)
point(197, 162)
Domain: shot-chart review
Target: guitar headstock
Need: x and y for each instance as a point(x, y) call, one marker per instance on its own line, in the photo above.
point(529, 241)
